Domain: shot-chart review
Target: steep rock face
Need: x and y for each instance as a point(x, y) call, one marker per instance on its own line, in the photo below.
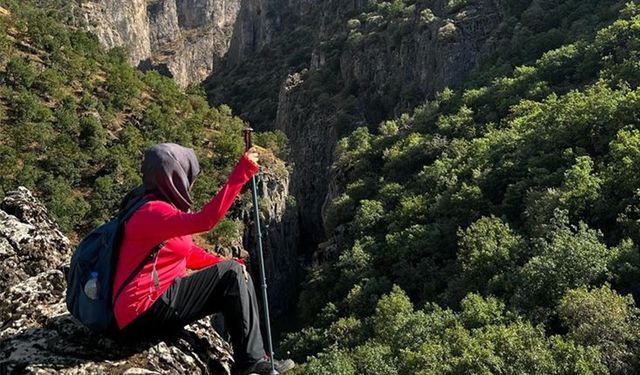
point(280, 233)
point(37, 335)
point(261, 22)
point(393, 72)
point(308, 125)
point(184, 39)
point(120, 23)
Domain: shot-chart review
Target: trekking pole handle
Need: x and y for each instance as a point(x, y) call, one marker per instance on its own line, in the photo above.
point(246, 133)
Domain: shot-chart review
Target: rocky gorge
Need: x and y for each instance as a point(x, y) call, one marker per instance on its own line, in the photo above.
point(449, 187)
point(313, 70)
point(343, 67)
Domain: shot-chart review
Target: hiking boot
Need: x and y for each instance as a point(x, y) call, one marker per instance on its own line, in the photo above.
point(263, 366)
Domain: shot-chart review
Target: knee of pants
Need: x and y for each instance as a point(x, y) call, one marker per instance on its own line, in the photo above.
point(235, 268)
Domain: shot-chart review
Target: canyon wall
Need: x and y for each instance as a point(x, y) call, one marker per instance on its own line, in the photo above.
point(184, 39)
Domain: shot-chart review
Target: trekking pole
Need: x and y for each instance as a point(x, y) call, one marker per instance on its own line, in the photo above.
point(247, 142)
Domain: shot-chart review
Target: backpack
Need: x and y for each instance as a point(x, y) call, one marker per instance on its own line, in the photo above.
point(98, 253)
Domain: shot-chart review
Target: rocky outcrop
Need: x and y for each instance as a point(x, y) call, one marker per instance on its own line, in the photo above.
point(37, 334)
point(30, 242)
point(184, 39)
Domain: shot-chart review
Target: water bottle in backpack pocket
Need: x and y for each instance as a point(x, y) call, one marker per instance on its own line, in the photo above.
point(90, 277)
point(92, 273)
point(92, 287)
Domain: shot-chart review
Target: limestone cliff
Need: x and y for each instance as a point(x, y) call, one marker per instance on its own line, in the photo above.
point(118, 23)
point(37, 334)
point(184, 39)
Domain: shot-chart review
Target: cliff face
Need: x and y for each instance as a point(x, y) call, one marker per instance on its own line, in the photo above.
point(392, 70)
point(118, 23)
point(312, 146)
point(184, 39)
point(38, 335)
point(382, 73)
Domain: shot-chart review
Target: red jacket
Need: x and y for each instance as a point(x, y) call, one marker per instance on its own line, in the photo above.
point(158, 221)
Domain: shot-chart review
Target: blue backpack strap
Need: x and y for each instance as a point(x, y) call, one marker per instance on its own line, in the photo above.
point(131, 208)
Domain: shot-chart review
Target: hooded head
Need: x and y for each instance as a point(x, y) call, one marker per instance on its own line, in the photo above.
point(168, 171)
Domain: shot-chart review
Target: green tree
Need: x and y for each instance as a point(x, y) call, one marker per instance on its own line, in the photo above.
point(601, 318)
point(567, 259)
point(489, 255)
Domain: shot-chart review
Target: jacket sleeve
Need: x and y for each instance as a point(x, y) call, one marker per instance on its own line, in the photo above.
point(163, 221)
point(199, 258)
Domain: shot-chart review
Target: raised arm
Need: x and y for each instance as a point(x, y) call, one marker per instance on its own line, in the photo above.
point(163, 221)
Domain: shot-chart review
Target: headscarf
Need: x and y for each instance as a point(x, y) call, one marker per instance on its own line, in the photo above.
point(168, 170)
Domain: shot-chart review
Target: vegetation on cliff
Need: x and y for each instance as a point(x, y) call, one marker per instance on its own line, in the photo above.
point(492, 230)
point(327, 31)
point(75, 119)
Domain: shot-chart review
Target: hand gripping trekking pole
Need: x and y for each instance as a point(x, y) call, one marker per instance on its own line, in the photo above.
point(247, 142)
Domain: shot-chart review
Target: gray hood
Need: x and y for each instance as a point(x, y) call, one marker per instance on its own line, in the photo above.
point(168, 170)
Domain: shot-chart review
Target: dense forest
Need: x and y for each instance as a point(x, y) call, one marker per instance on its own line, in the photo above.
point(492, 230)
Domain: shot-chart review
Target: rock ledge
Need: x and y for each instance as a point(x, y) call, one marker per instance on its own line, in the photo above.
point(39, 336)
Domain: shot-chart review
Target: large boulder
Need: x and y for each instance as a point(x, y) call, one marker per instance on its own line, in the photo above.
point(39, 336)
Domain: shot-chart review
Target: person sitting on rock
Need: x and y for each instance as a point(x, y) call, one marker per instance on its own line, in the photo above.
point(162, 298)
